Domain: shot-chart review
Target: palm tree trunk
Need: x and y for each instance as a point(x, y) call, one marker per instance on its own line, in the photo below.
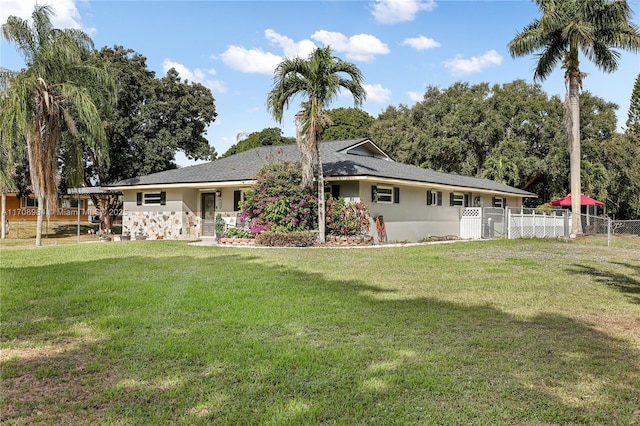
point(40, 215)
point(321, 203)
point(574, 152)
point(4, 215)
point(306, 153)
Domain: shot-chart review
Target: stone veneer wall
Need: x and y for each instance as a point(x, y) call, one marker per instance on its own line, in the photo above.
point(162, 225)
point(191, 228)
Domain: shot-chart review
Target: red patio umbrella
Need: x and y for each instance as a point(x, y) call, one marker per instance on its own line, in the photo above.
point(584, 201)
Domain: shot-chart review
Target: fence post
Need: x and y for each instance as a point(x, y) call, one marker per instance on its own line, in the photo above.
point(508, 222)
point(534, 223)
point(608, 232)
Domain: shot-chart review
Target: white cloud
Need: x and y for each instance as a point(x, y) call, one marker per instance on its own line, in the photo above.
point(65, 13)
point(250, 60)
point(421, 43)
point(460, 66)
point(360, 47)
point(415, 96)
point(197, 75)
point(291, 49)
point(394, 11)
point(376, 93)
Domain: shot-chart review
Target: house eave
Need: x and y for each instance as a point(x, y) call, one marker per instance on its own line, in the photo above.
point(193, 185)
point(427, 185)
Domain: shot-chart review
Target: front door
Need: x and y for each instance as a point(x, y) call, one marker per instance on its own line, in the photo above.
point(208, 214)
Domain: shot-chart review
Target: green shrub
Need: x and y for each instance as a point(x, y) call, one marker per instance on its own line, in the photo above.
point(347, 219)
point(238, 233)
point(286, 239)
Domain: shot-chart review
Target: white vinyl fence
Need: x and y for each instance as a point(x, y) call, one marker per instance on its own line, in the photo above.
point(526, 223)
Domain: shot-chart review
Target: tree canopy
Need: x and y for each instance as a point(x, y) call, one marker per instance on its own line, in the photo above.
point(510, 132)
point(153, 119)
point(265, 137)
point(347, 123)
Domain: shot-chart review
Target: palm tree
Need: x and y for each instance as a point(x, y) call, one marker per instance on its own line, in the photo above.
point(594, 27)
point(6, 161)
point(318, 79)
point(52, 96)
point(501, 169)
point(6, 184)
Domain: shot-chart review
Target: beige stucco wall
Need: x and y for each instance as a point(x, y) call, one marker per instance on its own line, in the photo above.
point(410, 220)
point(177, 219)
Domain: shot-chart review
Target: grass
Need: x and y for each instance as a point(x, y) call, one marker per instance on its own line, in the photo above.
point(147, 332)
point(22, 233)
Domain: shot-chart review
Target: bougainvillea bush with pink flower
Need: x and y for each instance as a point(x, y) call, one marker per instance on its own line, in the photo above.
point(347, 219)
point(277, 202)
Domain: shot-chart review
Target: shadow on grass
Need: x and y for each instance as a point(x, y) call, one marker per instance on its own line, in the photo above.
point(229, 339)
point(628, 283)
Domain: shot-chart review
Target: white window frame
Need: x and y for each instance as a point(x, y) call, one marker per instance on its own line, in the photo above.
point(30, 202)
point(153, 198)
point(458, 199)
point(384, 198)
point(434, 198)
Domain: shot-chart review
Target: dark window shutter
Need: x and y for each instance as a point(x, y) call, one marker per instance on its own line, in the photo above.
point(237, 195)
point(139, 199)
point(493, 201)
point(396, 195)
point(374, 190)
point(451, 199)
point(439, 198)
point(466, 200)
point(504, 203)
point(163, 198)
point(429, 196)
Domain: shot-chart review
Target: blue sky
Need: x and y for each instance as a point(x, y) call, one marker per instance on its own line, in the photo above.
point(401, 47)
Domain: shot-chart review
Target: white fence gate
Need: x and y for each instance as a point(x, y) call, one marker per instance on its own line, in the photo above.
point(471, 223)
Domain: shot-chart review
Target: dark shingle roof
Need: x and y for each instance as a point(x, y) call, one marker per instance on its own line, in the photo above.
point(337, 159)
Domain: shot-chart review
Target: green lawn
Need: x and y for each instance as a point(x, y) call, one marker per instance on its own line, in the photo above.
point(159, 332)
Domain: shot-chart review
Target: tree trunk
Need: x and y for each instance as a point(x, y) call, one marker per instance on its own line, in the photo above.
point(321, 203)
point(306, 162)
point(107, 206)
point(574, 152)
point(306, 153)
point(40, 215)
point(4, 215)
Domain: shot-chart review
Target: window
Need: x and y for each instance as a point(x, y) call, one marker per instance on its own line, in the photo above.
point(382, 194)
point(458, 199)
point(151, 198)
point(30, 202)
point(434, 198)
point(238, 195)
point(499, 202)
point(71, 203)
point(333, 190)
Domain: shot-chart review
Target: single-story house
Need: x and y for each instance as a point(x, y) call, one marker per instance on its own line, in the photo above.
point(26, 208)
point(416, 203)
